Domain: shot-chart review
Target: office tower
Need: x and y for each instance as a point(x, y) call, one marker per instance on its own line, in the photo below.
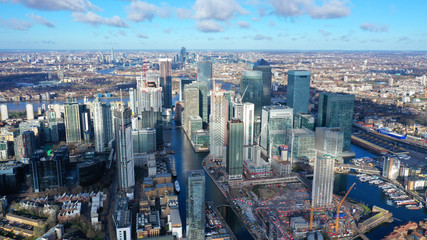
point(336, 110)
point(102, 124)
point(218, 125)
point(73, 132)
point(276, 122)
point(30, 111)
point(196, 205)
point(166, 81)
point(391, 167)
point(124, 147)
point(133, 100)
point(144, 140)
point(112, 56)
point(305, 120)
point(235, 149)
point(178, 113)
point(329, 141)
point(248, 129)
point(191, 105)
point(203, 99)
point(298, 90)
point(4, 150)
point(302, 144)
point(36, 127)
point(323, 181)
point(251, 89)
point(265, 68)
point(182, 83)
point(204, 72)
point(53, 126)
point(237, 110)
point(4, 112)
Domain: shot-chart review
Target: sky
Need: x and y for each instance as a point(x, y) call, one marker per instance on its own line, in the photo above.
point(214, 24)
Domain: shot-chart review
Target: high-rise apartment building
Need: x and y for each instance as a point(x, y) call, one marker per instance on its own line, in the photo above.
point(265, 68)
point(124, 147)
point(235, 149)
point(191, 105)
point(336, 110)
point(53, 126)
point(218, 125)
point(196, 205)
point(248, 119)
point(323, 181)
point(391, 167)
point(30, 111)
point(166, 81)
point(73, 132)
point(4, 112)
point(298, 90)
point(330, 141)
point(102, 124)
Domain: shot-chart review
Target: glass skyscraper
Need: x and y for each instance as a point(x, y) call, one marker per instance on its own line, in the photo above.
point(330, 141)
point(191, 105)
point(204, 72)
point(265, 68)
point(298, 90)
point(218, 125)
point(73, 133)
point(166, 81)
point(196, 205)
point(235, 149)
point(336, 110)
point(102, 124)
point(251, 89)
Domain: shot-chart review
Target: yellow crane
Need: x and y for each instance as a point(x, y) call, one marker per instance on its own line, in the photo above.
point(312, 211)
point(337, 222)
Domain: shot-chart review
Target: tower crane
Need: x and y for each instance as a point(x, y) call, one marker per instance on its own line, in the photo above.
point(337, 222)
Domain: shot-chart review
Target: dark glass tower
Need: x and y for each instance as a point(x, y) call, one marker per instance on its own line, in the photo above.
point(298, 90)
point(265, 68)
point(235, 149)
point(166, 81)
point(196, 205)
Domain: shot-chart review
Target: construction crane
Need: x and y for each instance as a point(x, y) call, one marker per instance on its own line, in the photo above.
point(313, 204)
point(339, 206)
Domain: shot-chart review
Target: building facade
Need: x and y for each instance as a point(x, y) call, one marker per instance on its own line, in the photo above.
point(298, 90)
point(323, 181)
point(196, 205)
point(235, 149)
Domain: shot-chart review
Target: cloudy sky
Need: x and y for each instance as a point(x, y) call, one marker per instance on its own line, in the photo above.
point(214, 24)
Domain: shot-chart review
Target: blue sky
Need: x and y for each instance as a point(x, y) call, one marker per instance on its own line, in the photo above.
point(214, 24)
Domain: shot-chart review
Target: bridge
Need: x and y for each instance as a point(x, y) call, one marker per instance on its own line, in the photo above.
point(263, 181)
point(359, 169)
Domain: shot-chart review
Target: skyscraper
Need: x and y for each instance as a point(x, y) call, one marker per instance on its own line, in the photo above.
point(124, 147)
point(235, 149)
point(251, 88)
point(276, 121)
point(53, 126)
point(4, 112)
point(298, 90)
point(73, 132)
point(218, 125)
point(204, 72)
point(203, 99)
point(265, 68)
point(191, 105)
point(196, 205)
point(336, 110)
point(323, 181)
point(391, 167)
point(248, 129)
point(330, 141)
point(302, 144)
point(305, 120)
point(30, 111)
point(182, 83)
point(102, 124)
point(166, 81)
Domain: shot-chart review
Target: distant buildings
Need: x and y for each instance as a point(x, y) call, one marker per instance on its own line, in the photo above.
point(235, 149)
point(323, 181)
point(336, 110)
point(124, 147)
point(204, 72)
point(196, 205)
point(298, 90)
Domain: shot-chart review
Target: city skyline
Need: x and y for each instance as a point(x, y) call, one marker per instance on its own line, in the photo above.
point(242, 25)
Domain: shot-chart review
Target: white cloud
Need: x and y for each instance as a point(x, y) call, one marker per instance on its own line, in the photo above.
point(243, 24)
point(41, 20)
point(221, 10)
point(209, 26)
point(142, 36)
point(294, 8)
point(139, 11)
point(16, 24)
point(370, 27)
point(183, 13)
point(56, 5)
point(324, 33)
point(95, 20)
point(262, 37)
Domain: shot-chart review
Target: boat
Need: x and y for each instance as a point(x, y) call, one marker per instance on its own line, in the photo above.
point(177, 188)
point(413, 207)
